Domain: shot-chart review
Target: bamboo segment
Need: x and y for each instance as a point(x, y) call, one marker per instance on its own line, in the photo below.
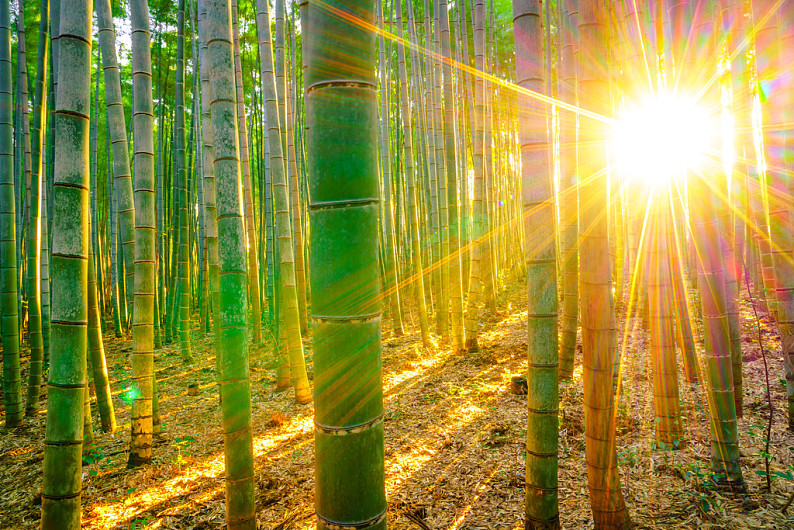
point(599, 340)
point(250, 218)
point(287, 287)
point(63, 441)
point(34, 220)
point(342, 117)
point(9, 317)
point(182, 190)
point(541, 498)
point(569, 195)
point(122, 176)
point(669, 428)
point(233, 340)
point(210, 195)
point(455, 279)
point(410, 178)
point(96, 353)
point(478, 143)
point(145, 226)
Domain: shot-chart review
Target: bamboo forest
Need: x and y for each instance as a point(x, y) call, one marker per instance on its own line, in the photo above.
point(405, 264)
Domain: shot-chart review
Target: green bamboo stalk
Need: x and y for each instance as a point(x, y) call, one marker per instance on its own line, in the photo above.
point(442, 308)
point(478, 206)
point(489, 268)
point(541, 499)
point(88, 426)
point(18, 157)
point(295, 211)
point(44, 274)
point(144, 265)
point(63, 441)
point(711, 275)
point(234, 374)
point(250, 219)
point(683, 309)
point(392, 286)
point(422, 160)
point(281, 80)
point(455, 280)
point(202, 169)
point(124, 307)
point(114, 291)
point(122, 176)
point(210, 200)
point(430, 126)
point(96, 353)
point(93, 146)
point(162, 239)
point(733, 33)
point(34, 226)
point(46, 214)
point(198, 226)
point(410, 178)
point(25, 162)
point(182, 189)
point(464, 111)
point(288, 300)
point(569, 195)
point(9, 319)
point(341, 110)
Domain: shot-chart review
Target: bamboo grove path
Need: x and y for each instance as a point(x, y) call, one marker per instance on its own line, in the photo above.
point(454, 443)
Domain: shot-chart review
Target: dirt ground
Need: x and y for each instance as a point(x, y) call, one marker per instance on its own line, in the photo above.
point(454, 443)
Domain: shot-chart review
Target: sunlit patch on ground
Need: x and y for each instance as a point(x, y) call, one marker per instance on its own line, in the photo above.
point(454, 443)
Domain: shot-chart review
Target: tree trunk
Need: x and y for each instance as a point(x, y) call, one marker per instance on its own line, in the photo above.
point(455, 280)
point(9, 318)
point(390, 262)
point(569, 194)
point(34, 226)
point(478, 148)
point(234, 374)
point(250, 223)
point(341, 108)
point(410, 179)
point(145, 226)
point(599, 334)
point(210, 196)
point(182, 189)
point(541, 500)
point(96, 353)
point(63, 441)
point(289, 297)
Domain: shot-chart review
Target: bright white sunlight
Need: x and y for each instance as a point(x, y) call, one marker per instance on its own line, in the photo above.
point(662, 136)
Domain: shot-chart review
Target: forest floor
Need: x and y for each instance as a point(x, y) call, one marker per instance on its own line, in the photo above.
point(454, 437)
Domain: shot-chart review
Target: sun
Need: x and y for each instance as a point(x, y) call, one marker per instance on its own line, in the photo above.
point(661, 138)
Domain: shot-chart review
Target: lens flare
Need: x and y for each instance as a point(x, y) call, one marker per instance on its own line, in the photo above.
point(662, 137)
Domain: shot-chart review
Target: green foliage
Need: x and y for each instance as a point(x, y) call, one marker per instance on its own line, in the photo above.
point(705, 483)
point(628, 456)
point(181, 444)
